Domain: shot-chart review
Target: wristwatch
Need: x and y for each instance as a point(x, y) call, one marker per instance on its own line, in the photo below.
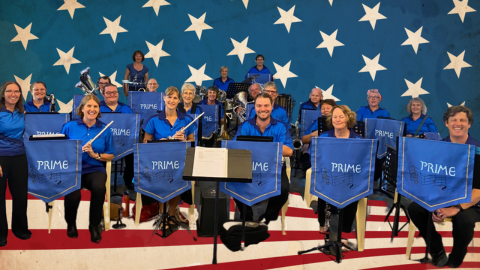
point(98, 156)
point(459, 207)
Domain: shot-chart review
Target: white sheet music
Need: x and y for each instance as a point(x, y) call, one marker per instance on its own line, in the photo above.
point(210, 162)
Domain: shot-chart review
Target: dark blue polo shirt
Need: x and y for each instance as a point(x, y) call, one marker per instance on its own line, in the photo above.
point(12, 126)
point(30, 107)
point(198, 109)
point(470, 140)
point(205, 102)
point(275, 129)
point(121, 108)
point(366, 112)
point(222, 85)
point(278, 112)
point(254, 70)
point(159, 126)
point(77, 130)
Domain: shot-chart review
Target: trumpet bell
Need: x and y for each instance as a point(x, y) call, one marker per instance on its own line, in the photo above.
point(86, 83)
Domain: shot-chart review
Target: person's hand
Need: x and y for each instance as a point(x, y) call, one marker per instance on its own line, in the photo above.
point(1, 171)
point(179, 135)
point(436, 217)
point(444, 213)
point(87, 148)
point(315, 133)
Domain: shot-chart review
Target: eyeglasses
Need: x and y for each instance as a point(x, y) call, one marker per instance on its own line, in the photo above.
point(374, 97)
point(11, 91)
point(270, 91)
point(111, 93)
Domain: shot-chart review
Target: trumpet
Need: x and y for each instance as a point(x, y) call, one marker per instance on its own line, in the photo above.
point(86, 83)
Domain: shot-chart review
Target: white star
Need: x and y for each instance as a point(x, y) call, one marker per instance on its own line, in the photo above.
point(240, 49)
point(66, 59)
point(414, 39)
point(330, 42)
point(112, 79)
point(156, 4)
point(450, 105)
point(372, 66)
point(245, 2)
point(113, 28)
point(198, 75)
point(24, 84)
point(198, 25)
point(71, 5)
point(156, 52)
point(24, 35)
point(65, 107)
point(327, 94)
point(461, 8)
point(457, 63)
point(283, 73)
point(331, 2)
point(372, 15)
point(287, 18)
point(414, 89)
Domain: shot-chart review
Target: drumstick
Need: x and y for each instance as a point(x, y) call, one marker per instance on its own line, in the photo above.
point(91, 141)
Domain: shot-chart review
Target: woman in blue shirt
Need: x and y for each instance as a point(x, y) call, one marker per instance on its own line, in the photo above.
point(39, 102)
point(188, 106)
point(136, 73)
point(13, 162)
point(94, 175)
point(417, 122)
point(168, 124)
point(260, 68)
point(222, 82)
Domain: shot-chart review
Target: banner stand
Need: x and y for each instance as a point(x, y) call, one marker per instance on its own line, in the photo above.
point(239, 170)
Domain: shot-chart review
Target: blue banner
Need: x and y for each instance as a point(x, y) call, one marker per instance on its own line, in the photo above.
point(307, 119)
point(125, 131)
point(210, 119)
point(54, 168)
point(250, 106)
point(159, 169)
point(342, 169)
point(266, 172)
point(385, 131)
point(146, 103)
point(44, 124)
point(435, 174)
point(195, 133)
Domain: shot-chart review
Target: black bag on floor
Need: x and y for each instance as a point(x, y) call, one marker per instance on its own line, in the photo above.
point(231, 234)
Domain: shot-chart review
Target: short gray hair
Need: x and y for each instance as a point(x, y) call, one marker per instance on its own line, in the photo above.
point(250, 88)
point(422, 105)
point(188, 86)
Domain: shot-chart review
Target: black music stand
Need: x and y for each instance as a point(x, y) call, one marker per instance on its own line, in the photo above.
point(235, 88)
point(239, 169)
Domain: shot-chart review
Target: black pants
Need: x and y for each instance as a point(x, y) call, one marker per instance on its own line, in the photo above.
point(275, 204)
point(128, 172)
point(95, 182)
point(15, 169)
point(349, 214)
point(462, 232)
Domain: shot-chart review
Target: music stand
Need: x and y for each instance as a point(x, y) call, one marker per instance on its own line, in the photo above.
point(239, 169)
point(235, 88)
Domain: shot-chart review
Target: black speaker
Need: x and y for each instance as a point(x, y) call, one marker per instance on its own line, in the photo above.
point(206, 212)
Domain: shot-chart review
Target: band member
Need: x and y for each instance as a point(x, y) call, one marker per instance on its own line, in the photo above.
point(152, 85)
point(223, 82)
point(167, 124)
point(458, 120)
point(102, 81)
point(312, 131)
point(327, 106)
point(13, 162)
point(212, 94)
point(188, 94)
point(260, 68)
point(254, 90)
point(313, 103)
point(263, 124)
point(136, 73)
point(94, 175)
point(417, 122)
point(111, 104)
point(278, 112)
point(373, 109)
point(39, 102)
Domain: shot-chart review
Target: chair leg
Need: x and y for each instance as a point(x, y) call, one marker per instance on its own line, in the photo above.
point(284, 211)
point(361, 222)
point(191, 211)
point(138, 208)
point(50, 213)
point(411, 236)
point(106, 209)
point(307, 195)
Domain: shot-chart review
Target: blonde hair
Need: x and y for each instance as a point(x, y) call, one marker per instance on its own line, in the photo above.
point(172, 89)
point(422, 105)
point(349, 114)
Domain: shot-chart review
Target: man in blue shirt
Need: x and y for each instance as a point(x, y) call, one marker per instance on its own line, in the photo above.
point(313, 103)
point(278, 112)
point(102, 81)
point(223, 82)
point(264, 125)
point(373, 109)
point(260, 68)
point(110, 101)
point(458, 120)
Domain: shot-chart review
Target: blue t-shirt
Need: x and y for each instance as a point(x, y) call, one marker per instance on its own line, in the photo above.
point(205, 102)
point(412, 126)
point(140, 77)
point(254, 70)
point(331, 134)
point(470, 140)
point(198, 109)
point(159, 126)
point(365, 112)
point(121, 108)
point(12, 126)
point(278, 112)
point(78, 130)
point(312, 128)
point(275, 129)
point(222, 85)
point(30, 107)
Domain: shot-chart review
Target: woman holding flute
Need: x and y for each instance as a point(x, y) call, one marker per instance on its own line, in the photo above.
point(97, 148)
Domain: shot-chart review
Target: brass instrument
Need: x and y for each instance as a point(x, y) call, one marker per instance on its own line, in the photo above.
point(222, 96)
point(240, 105)
point(86, 83)
point(51, 98)
point(200, 93)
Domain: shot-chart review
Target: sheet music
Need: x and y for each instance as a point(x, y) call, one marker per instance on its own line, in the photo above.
point(210, 162)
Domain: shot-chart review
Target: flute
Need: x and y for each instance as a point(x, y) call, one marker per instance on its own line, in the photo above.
point(185, 127)
point(100, 133)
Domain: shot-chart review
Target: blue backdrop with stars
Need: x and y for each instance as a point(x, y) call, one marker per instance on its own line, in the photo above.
point(34, 55)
